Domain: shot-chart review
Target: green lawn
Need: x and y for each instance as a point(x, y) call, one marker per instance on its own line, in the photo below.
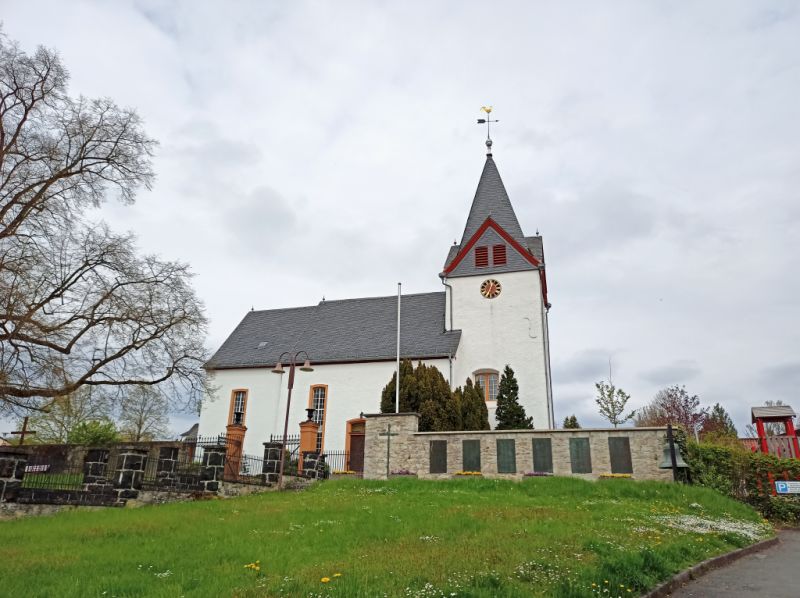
point(62, 481)
point(468, 537)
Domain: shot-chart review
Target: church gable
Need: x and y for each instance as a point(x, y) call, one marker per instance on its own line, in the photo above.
point(491, 250)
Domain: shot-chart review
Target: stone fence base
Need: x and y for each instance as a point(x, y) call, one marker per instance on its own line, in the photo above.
point(589, 453)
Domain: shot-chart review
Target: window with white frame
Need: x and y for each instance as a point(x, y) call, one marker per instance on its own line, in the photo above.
point(487, 382)
point(238, 406)
point(319, 396)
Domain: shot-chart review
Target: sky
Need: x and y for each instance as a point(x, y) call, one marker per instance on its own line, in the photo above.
point(312, 149)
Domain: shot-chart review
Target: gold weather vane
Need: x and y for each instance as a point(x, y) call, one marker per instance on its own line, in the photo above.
point(488, 121)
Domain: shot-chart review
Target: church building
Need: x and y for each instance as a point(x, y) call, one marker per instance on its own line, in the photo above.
point(491, 312)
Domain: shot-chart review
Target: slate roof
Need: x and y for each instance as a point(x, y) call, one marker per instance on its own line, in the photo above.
point(776, 411)
point(347, 330)
point(492, 200)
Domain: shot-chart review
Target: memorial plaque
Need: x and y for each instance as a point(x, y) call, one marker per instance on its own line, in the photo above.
point(619, 449)
point(542, 455)
point(506, 456)
point(471, 455)
point(438, 456)
point(580, 455)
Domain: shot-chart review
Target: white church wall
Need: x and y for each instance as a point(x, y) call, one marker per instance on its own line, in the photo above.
point(506, 330)
point(353, 388)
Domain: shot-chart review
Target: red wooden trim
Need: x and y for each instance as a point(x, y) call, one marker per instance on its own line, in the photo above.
point(762, 436)
point(543, 280)
point(790, 431)
point(508, 238)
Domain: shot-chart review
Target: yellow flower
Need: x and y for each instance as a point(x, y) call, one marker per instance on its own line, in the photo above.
point(605, 581)
point(594, 585)
point(325, 579)
point(337, 574)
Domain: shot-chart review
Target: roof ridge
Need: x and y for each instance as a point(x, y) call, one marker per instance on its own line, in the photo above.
point(375, 298)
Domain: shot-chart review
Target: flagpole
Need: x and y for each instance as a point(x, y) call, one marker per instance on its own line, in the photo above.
point(397, 384)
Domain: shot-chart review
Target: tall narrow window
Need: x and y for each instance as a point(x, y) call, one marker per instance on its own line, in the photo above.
point(238, 407)
point(481, 257)
point(487, 382)
point(498, 255)
point(318, 399)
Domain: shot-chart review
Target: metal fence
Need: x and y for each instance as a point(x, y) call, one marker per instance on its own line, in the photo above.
point(340, 462)
point(52, 474)
point(292, 459)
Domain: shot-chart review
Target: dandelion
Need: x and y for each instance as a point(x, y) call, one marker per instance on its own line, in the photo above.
point(325, 579)
point(337, 574)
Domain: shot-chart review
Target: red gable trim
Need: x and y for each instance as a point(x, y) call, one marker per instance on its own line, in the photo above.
point(508, 238)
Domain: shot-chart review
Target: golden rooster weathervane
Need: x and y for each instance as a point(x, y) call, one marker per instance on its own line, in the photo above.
point(488, 121)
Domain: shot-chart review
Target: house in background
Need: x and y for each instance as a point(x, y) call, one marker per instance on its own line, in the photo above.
point(491, 313)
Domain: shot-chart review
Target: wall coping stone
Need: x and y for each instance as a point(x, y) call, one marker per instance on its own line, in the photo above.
point(543, 431)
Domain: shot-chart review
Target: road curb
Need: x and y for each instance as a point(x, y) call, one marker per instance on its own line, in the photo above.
point(666, 588)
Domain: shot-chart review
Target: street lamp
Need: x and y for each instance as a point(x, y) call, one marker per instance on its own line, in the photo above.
point(278, 369)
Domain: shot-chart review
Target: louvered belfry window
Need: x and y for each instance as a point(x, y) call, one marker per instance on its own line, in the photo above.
point(481, 257)
point(498, 255)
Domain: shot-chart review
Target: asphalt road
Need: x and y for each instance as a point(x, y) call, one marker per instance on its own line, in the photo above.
point(772, 573)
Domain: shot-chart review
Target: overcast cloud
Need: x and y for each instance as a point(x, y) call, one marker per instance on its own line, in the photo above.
point(312, 149)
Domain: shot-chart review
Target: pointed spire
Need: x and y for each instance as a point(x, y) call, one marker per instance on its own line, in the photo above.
point(491, 199)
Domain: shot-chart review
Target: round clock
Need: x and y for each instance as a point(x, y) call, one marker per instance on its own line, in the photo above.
point(490, 288)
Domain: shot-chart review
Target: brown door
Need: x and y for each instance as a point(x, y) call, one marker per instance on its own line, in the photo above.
point(357, 452)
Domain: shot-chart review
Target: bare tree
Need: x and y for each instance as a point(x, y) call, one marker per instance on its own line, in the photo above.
point(673, 405)
point(144, 414)
point(78, 306)
point(611, 403)
point(65, 413)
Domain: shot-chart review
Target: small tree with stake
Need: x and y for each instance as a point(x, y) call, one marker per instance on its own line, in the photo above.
point(611, 402)
point(510, 415)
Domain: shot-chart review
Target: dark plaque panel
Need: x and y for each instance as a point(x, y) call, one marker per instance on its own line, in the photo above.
point(579, 455)
point(542, 455)
point(471, 455)
point(619, 449)
point(438, 456)
point(506, 456)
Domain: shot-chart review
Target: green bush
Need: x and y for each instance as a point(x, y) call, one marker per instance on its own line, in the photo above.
point(747, 476)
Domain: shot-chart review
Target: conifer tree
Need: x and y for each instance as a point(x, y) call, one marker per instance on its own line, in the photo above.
point(510, 415)
point(425, 391)
point(474, 414)
point(718, 424)
point(409, 391)
point(571, 423)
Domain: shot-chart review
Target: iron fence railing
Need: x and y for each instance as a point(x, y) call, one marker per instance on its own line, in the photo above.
point(53, 475)
point(342, 461)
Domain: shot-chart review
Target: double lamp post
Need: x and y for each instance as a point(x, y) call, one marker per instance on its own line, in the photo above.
point(291, 360)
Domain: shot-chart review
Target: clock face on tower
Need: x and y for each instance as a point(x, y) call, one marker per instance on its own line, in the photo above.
point(490, 288)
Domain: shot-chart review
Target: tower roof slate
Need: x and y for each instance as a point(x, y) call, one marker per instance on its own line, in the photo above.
point(491, 199)
point(348, 330)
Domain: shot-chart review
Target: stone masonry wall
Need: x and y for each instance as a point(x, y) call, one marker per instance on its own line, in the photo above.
point(410, 449)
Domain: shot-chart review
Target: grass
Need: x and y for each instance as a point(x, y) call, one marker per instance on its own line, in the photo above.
point(62, 481)
point(406, 537)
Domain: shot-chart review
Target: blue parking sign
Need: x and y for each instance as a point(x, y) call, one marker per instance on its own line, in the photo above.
point(787, 487)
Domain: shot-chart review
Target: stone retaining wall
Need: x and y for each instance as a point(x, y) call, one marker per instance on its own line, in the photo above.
point(410, 449)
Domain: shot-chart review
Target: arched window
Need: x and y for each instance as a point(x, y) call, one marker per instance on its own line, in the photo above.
point(487, 381)
point(238, 407)
point(318, 399)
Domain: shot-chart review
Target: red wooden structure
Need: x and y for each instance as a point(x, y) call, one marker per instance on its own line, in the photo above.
point(785, 445)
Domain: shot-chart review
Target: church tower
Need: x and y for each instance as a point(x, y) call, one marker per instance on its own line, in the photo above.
point(496, 294)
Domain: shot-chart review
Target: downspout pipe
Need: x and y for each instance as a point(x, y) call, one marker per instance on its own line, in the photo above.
point(450, 297)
